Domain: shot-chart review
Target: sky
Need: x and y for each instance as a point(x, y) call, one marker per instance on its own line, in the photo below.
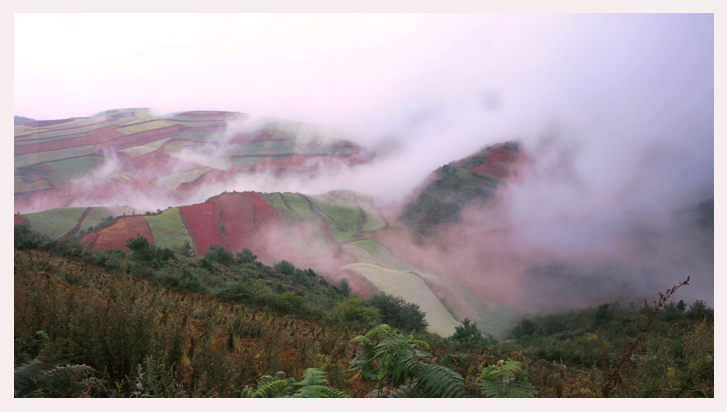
point(616, 109)
point(427, 88)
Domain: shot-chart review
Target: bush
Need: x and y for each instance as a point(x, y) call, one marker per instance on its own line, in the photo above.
point(219, 254)
point(354, 309)
point(246, 256)
point(284, 267)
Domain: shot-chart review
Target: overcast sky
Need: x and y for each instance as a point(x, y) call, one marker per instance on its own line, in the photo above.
point(429, 88)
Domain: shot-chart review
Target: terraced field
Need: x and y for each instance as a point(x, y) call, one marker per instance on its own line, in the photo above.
point(168, 229)
point(57, 222)
point(341, 234)
point(134, 147)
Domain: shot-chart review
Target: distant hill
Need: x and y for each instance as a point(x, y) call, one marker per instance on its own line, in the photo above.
point(18, 120)
point(456, 185)
point(113, 156)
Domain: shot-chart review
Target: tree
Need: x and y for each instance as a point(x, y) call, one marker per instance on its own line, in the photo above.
point(397, 312)
point(468, 334)
point(246, 256)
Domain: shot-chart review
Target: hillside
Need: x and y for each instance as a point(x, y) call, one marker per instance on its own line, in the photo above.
point(154, 324)
point(116, 155)
point(342, 234)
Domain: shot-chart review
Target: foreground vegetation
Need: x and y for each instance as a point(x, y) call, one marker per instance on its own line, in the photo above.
point(156, 323)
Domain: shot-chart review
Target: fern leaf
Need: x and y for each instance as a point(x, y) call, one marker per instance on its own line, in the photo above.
point(440, 381)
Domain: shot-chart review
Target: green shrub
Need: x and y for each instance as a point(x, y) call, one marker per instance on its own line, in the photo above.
point(219, 254)
point(354, 309)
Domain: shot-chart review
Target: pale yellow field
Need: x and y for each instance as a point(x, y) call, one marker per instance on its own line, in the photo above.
point(173, 180)
point(412, 289)
point(147, 148)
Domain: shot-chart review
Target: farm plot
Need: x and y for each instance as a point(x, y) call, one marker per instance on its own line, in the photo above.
point(263, 213)
point(63, 171)
point(43, 157)
point(144, 149)
point(142, 138)
point(97, 214)
point(380, 254)
point(146, 126)
point(340, 212)
point(412, 289)
point(55, 222)
point(174, 180)
point(201, 219)
point(116, 235)
point(168, 229)
point(236, 216)
point(21, 186)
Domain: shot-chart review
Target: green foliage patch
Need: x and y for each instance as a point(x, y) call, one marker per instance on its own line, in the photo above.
point(168, 229)
point(55, 222)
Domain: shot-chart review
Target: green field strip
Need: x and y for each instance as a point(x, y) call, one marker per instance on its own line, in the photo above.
point(173, 180)
point(145, 126)
point(169, 229)
point(71, 133)
point(20, 186)
point(55, 222)
point(266, 147)
point(281, 209)
point(144, 149)
point(340, 212)
point(239, 161)
point(66, 170)
point(299, 205)
point(51, 156)
point(412, 289)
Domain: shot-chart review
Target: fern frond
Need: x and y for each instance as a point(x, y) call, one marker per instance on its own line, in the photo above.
point(440, 381)
point(378, 331)
point(313, 377)
point(319, 391)
point(270, 389)
point(505, 380)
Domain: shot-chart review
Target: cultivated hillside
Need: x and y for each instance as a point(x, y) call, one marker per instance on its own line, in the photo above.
point(113, 156)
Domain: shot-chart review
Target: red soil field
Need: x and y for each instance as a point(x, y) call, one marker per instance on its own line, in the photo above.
point(201, 219)
point(116, 235)
point(236, 214)
point(32, 133)
point(18, 219)
point(263, 213)
point(95, 137)
point(258, 135)
point(156, 163)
